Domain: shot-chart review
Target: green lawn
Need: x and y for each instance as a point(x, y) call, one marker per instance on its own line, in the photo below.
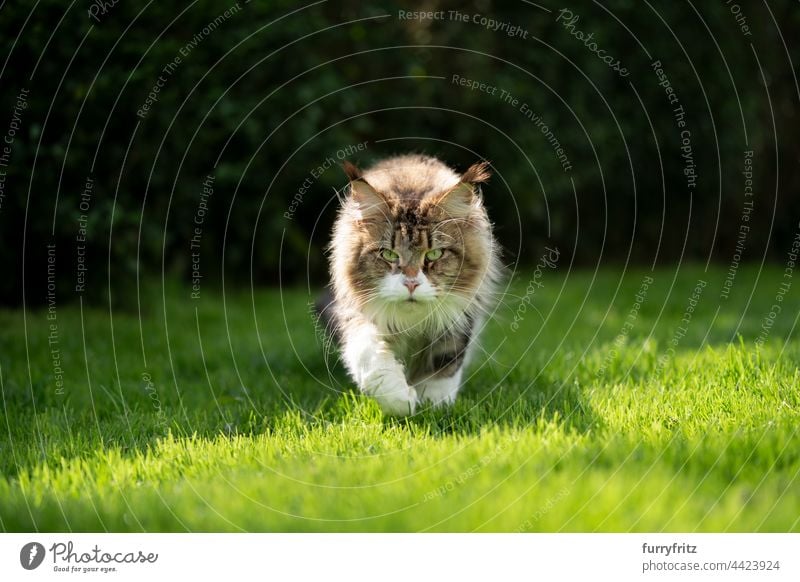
point(585, 418)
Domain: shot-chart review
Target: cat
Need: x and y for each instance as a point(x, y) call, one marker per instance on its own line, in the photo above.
point(414, 270)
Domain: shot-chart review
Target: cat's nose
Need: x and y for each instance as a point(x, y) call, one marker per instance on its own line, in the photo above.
point(411, 284)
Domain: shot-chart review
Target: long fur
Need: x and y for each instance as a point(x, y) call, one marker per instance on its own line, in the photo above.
point(401, 347)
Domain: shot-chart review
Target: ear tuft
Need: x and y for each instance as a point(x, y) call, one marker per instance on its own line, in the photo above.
point(477, 173)
point(352, 171)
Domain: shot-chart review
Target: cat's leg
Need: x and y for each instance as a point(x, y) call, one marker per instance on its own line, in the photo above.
point(440, 391)
point(447, 356)
point(376, 370)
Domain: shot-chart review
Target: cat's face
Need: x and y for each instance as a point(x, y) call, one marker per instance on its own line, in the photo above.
point(413, 246)
point(418, 252)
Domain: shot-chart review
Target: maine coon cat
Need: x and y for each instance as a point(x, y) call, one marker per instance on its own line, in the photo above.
point(414, 269)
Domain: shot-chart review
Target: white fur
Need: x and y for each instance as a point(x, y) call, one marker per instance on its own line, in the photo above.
point(392, 288)
point(440, 391)
point(432, 312)
point(377, 372)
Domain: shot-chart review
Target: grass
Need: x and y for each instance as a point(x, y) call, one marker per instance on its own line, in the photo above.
point(222, 414)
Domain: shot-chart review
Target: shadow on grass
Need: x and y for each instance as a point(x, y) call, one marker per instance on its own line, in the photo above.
point(51, 434)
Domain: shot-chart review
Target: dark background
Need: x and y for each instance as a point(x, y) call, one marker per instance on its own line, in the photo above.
point(273, 91)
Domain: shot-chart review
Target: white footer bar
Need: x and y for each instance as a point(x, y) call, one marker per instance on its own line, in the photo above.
point(401, 557)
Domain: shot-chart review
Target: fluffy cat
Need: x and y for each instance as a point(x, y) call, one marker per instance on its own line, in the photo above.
point(414, 269)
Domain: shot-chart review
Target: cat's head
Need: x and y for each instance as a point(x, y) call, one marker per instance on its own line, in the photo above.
point(413, 237)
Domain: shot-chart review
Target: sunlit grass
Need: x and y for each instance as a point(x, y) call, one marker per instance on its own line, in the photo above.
point(573, 422)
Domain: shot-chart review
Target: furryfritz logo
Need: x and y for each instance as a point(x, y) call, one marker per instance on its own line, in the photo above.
point(31, 555)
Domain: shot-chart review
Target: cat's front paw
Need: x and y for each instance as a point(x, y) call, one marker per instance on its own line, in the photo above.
point(393, 394)
point(440, 391)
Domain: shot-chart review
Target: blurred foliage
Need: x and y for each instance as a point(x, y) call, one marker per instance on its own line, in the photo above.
point(272, 90)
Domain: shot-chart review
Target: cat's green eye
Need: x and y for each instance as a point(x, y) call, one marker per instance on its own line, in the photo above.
point(434, 254)
point(389, 255)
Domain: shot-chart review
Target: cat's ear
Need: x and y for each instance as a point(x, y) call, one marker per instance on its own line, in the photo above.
point(477, 173)
point(371, 205)
point(351, 170)
point(456, 202)
point(459, 201)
